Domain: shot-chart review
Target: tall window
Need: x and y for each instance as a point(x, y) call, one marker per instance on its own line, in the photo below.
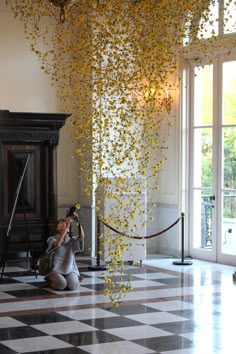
point(211, 119)
point(221, 16)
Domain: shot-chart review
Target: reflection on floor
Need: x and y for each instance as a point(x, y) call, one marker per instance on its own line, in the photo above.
point(172, 309)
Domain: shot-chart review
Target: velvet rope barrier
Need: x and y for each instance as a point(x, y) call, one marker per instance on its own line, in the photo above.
point(181, 262)
point(142, 237)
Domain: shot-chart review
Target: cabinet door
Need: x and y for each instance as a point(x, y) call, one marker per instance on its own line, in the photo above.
point(23, 224)
point(28, 199)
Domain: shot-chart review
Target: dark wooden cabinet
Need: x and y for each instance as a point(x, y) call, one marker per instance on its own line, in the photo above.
point(23, 135)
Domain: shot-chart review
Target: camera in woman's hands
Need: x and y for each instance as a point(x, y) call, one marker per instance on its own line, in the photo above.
point(70, 211)
point(72, 214)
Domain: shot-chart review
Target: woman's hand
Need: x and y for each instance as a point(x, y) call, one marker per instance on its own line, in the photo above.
point(68, 222)
point(75, 217)
point(63, 228)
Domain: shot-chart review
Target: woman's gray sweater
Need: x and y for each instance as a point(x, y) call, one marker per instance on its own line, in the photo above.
point(64, 255)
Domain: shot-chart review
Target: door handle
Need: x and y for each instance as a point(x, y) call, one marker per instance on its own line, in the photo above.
point(212, 199)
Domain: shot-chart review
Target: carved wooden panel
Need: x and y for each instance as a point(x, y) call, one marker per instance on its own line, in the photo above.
point(15, 157)
point(22, 136)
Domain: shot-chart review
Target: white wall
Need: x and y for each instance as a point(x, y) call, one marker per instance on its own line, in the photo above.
point(25, 88)
point(166, 203)
point(23, 85)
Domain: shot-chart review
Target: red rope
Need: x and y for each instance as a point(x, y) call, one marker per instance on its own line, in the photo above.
point(140, 237)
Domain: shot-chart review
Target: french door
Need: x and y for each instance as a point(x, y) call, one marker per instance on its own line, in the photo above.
point(212, 177)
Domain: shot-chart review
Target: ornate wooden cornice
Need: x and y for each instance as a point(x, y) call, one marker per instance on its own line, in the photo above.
point(31, 127)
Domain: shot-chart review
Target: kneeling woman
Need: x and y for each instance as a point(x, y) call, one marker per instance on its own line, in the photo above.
point(64, 273)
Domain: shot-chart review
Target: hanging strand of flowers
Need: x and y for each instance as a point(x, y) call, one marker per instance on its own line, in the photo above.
point(112, 63)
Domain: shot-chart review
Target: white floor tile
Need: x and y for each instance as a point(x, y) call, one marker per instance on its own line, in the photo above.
point(5, 296)
point(63, 327)
point(79, 290)
point(156, 317)
point(144, 283)
point(30, 279)
point(188, 351)
point(28, 345)
point(152, 275)
point(116, 348)
point(138, 332)
point(170, 305)
point(87, 314)
point(8, 322)
point(101, 273)
point(10, 269)
point(88, 281)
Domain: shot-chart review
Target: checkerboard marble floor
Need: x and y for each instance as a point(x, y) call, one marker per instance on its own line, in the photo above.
point(172, 309)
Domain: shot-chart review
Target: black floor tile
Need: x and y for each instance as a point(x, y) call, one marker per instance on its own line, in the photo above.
point(23, 273)
point(28, 292)
point(8, 281)
point(175, 282)
point(71, 350)
point(122, 278)
point(111, 322)
point(188, 313)
point(139, 270)
point(40, 318)
point(166, 343)
point(96, 287)
point(19, 333)
point(6, 350)
point(132, 310)
point(87, 338)
point(178, 327)
point(39, 284)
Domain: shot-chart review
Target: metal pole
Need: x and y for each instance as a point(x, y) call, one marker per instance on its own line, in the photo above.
point(182, 233)
point(98, 265)
point(182, 262)
point(98, 242)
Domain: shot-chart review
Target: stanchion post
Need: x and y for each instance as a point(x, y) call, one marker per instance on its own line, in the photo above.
point(98, 266)
point(182, 262)
point(98, 242)
point(182, 238)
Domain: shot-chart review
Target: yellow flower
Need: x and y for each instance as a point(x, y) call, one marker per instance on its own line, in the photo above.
point(111, 61)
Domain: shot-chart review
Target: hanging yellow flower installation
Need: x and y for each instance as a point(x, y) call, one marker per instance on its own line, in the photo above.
point(113, 64)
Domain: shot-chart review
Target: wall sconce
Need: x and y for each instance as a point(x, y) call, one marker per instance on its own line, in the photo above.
point(166, 102)
point(155, 98)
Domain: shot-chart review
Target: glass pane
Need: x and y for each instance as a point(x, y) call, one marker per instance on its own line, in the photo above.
point(210, 28)
point(229, 223)
point(229, 158)
point(202, 219)
point(229, 92)
point(203, 157)
point(229, 206)
point(229, 16)
point(203, 95)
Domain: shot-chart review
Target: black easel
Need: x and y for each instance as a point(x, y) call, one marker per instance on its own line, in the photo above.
point(8, 232)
